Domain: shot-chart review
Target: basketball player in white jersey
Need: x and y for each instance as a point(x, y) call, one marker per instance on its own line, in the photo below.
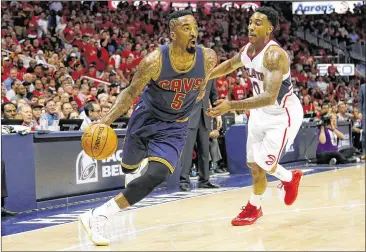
point(275, 112)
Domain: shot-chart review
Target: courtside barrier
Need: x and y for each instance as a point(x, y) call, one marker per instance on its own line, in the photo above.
point(303, 148)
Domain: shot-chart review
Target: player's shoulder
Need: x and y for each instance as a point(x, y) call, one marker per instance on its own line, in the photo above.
point(152, 63)
point(274, 57)
point(209, 54)
point(275, 50)
point(210, 58)
point(153, 57)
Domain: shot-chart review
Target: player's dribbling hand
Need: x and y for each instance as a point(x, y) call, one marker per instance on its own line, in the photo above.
point(221, 107)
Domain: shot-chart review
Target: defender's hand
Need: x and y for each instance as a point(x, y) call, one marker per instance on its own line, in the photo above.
point(222, 106)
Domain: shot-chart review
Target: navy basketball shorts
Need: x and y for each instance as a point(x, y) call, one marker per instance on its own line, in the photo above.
point(149, 137)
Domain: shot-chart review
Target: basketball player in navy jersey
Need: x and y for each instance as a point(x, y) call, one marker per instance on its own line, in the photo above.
point(275, 112)
point(171, 79)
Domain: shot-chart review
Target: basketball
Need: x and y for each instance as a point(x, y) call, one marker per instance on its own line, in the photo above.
point(99, 141)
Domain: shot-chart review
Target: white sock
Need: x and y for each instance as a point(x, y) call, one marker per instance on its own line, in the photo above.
point(282, 174)
point(255, 200)
point(107, 209)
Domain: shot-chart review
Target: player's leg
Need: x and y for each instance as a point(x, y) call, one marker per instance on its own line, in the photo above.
point(134, 151)
point(253, 211)
point(267, 154)
point(255, 137)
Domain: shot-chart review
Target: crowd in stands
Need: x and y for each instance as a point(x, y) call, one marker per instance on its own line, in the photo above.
point(60, 56)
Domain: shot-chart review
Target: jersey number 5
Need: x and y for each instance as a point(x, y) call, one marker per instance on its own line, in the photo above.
point(178, 101)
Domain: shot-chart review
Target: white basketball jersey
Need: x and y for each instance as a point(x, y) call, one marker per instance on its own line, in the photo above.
point(255, 70)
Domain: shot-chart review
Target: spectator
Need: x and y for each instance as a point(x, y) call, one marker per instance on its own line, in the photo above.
point(104, 110)
point(27, 115)
point(307, 106)
point(342, 115)
point(66, 109)
point(11, 79)
point(52, 113)
point(36, 111)
point(327, 150)
point(3, 94)
point(74, 115)
point(92, 113)
point(8, 110)
point(12, 93)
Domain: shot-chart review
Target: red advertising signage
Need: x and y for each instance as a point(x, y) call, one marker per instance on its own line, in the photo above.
point(112, 4)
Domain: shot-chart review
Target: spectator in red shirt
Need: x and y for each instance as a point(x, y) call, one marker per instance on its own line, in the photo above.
point(79, 71)
point(222, 87)
point(38, 88)
point(238, 91)
point(307, 106)
point(21, 70)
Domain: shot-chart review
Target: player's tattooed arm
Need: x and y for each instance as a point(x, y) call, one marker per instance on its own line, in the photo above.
point(276, 65)
point(210, 62)
point(226, 67)
point(149, 68)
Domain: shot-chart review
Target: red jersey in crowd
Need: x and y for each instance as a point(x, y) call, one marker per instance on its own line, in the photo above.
point(308, 108)
point(21, 72)
point(222, 87)
point(238, 92)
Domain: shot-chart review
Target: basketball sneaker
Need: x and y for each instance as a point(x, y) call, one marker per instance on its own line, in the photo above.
point(94, 227)
point(248, 216)
point(292, 188)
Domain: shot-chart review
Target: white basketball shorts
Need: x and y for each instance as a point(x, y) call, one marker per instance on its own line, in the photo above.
point(270, 134)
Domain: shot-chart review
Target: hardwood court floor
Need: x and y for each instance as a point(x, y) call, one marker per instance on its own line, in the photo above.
point(328, 215)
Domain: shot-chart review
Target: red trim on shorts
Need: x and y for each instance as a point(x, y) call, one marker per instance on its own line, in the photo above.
point(284, 103)
point(283, 144)
point(289, 118)
point(284, 136)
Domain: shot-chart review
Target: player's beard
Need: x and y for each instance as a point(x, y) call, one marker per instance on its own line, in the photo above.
point(191, 50)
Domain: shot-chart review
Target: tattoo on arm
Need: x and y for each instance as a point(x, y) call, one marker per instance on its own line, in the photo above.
point(151, 64)
point(210, 61)
point(226, 67)
point(273, 62)
point(235, 62)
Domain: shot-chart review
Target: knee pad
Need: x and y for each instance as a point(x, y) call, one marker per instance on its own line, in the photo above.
point(128, 170)
point(156, 173)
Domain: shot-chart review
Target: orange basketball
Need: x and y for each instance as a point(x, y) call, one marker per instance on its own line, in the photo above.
point(99, 141)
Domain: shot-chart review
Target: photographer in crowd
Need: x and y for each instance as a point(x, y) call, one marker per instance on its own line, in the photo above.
point(327, 150)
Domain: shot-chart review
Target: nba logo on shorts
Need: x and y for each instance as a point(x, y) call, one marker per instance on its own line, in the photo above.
point(86, 169)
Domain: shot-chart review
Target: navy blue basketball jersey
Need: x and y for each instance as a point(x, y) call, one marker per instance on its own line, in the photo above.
point(172, 96)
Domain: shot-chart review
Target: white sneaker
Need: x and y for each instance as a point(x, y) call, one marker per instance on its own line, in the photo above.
point(94, 227)
point(131, 176)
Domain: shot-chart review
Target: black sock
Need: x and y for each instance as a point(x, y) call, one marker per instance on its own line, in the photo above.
point(140, 187)
point(2, 201)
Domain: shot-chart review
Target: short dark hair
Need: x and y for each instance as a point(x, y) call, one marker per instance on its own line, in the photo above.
point(178, 14)
point(271, 14)
point(89, 107)
point(48, 101)
point(6, 103)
